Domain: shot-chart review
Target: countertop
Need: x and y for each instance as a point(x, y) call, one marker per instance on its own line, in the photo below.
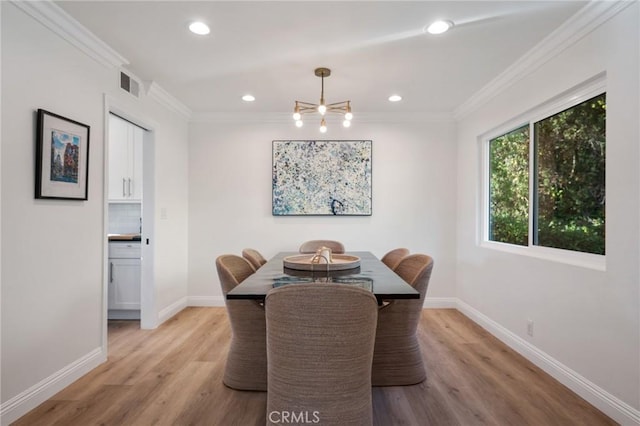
point(124, 237)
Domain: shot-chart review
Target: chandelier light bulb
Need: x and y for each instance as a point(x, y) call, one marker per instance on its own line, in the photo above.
point(297, 116)
point(348, 116)
point(322, 109)
point(323, 126)
point(346, 123)
point(299, 123)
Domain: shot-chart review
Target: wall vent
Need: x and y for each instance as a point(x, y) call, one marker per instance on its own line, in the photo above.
point(130, 85)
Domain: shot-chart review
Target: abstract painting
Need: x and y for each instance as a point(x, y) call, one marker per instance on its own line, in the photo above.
point(321, 178)
point(62, 156)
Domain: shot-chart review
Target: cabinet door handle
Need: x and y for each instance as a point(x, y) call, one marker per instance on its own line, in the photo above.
point(124, 181)
point(110, 272)
point(129, 187)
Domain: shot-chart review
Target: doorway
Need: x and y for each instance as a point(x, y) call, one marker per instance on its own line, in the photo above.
point(129, 221)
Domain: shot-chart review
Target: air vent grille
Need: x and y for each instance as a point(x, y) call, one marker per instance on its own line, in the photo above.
point(128, 84)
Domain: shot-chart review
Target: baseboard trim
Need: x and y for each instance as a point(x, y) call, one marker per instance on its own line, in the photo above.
point(206, 301)
point(26, 401)
point(172, 309)
point(440, 303)
point(612, 406)
point(123, 314)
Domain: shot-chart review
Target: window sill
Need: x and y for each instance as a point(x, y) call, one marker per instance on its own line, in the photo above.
point(584, 260)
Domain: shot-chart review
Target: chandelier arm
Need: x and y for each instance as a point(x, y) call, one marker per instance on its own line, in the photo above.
point(343, 103)
point(306, 104)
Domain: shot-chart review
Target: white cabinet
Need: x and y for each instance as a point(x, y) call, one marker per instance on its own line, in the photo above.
point(125, 160)
point(124, 276)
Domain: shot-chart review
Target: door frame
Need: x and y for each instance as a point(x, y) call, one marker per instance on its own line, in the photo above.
point(148, 309)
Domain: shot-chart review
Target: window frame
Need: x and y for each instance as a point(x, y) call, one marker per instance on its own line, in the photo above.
point(568, 99)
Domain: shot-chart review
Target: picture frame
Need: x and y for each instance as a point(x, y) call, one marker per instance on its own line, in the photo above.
point(62, 158)
point(322, 178)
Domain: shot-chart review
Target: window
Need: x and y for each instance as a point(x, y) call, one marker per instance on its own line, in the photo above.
point(551, 193)
point(509, 187)
point(570, 181)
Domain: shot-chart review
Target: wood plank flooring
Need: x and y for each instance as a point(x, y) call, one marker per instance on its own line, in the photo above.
point(173, 376)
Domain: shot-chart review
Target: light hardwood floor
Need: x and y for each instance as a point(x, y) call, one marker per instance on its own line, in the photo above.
point(173, 376)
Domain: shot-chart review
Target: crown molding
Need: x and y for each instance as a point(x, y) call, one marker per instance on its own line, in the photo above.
point(164, 98)
point(586, 20)
point(60, 22)
point(285, 117)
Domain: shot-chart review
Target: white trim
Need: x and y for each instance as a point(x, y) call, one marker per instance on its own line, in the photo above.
point(26, 401)
point(612, 406)
point(123, 314)
point(584, 260)
point(332, 120)
point(206, 301)
point(586, 20)
point(164, 98)
point(171, 310)
point(440, 303)
point(60, 22)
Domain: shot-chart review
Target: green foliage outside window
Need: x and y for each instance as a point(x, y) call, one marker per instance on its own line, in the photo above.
point(509, 187)
point(569, 187)
point(570, 156)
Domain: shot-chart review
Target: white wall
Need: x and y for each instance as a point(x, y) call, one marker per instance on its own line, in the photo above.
point(587, 320)
point(53, 250)
point(230, 196)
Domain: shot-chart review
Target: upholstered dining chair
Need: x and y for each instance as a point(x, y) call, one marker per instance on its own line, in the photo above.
point(320, 341)
point(393, 258)
point(313, 245)
point(254, 257)
point(246, 367)
point(397, 359)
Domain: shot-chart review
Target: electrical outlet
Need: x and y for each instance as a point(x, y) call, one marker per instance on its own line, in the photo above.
point(530, 327)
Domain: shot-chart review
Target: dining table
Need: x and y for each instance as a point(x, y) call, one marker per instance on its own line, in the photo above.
point(370, 273)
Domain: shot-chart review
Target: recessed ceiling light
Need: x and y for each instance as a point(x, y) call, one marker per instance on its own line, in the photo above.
point(439, 27)
point(395, 98)
point(248, 98)
point(199, 28)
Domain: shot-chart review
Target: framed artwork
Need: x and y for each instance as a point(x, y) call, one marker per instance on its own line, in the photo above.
point(62, 157)
point(321, 178)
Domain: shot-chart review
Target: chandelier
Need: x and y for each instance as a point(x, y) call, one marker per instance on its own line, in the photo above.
point(323, 108)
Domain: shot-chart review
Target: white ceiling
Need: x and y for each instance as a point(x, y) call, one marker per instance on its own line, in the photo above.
point(270, 49)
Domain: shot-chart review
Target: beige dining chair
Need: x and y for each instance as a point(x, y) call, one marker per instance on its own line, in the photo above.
point(320, 341)
point(246, 367)
point(313, 245)
point(254, 257)
point(397, 359)
point(393, 258)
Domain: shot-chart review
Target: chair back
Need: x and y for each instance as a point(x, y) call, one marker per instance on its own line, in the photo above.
point(320, 340)
point(254, 257)
point(232, 270)
point(393, 258)
point(313, 245)
point(246, 367)
point(415, 269)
